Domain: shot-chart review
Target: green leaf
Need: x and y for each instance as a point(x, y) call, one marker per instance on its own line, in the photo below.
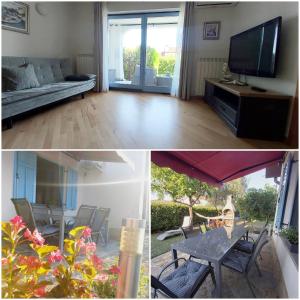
point(44, 250)
point(77, 232)
point(69, 246)
point(6, 228)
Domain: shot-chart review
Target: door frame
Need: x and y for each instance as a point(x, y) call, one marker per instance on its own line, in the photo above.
point(143, 50)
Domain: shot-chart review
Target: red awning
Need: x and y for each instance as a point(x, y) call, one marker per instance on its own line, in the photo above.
point(216, 167)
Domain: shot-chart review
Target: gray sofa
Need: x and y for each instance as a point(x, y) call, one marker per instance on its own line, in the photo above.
point(51, 73)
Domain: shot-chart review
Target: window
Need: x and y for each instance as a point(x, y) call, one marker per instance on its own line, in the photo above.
point(49, 183)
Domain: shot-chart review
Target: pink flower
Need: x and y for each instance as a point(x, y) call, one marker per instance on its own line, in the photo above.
point(55, 256)
point(31, 262)
point(18, 223)
point(34, 237)
point(102, 277)
point(40, 292)
point(80, 244)
point(97, 261)
point(4, 261)
point(86, 233)
point(114, 270)
point(56, 272)
point(114, 283)
point(90, 248)
point(27, 234)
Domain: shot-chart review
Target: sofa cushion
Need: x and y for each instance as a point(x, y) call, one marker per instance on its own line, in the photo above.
point(10, 97)
point(42, 69)
point(19, 78)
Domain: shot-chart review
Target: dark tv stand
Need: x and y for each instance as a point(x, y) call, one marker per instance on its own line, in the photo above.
point(249, 113)
point(258, 89)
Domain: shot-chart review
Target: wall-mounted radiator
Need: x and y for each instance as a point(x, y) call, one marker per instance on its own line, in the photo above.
point(208, 68)
point(85, 64)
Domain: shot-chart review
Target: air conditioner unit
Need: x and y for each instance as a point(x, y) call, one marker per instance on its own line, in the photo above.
point(215, 4)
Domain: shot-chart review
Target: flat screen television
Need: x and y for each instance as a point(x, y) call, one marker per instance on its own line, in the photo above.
point(255, 51)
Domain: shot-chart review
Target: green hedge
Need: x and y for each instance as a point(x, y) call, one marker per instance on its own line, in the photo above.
point(169, 215)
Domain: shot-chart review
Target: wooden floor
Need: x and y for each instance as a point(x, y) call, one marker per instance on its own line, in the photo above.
point(124, 120)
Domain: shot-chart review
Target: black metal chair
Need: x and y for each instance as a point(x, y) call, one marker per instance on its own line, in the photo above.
point(190, 232)
point(99, 225)
point(242, 262)
point(249, 246)
point(184, 281)
point(24, 209)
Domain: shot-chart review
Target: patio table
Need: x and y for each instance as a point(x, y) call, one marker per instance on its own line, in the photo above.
point(211, 246)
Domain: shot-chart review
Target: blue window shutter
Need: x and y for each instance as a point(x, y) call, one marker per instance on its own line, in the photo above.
point(72, 190)
point(25, 175)
point(284, 184)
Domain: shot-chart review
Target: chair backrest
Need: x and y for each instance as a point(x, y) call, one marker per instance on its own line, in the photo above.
point(262, 241)
point(262, 232)
point(56, 213)
point(85, 215)
point(23, 209)
point(101, 214)
point(41, 214)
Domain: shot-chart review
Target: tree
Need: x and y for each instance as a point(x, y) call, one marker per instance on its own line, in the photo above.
point(181, 188)
point(258, 203)
point(237, 188)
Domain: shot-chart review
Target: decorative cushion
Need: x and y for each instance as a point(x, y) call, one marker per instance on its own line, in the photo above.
point(244, 246)
point(77, 78)
point(19, 78)
point(181, 281)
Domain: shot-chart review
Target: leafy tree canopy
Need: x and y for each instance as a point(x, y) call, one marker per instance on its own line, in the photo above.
point(258, 203)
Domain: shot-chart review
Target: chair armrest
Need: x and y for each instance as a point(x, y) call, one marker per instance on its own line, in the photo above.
point(170, 264)
point(157, 285)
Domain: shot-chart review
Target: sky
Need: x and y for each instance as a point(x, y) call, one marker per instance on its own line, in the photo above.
point(258, 180)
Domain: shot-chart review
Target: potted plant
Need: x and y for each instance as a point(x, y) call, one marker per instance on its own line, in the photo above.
point(290, 237)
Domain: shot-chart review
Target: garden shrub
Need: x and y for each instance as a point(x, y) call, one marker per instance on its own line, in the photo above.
point(169, 215)
point(76, 273)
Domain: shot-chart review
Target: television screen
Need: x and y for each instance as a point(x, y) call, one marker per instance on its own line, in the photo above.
point(254, 51)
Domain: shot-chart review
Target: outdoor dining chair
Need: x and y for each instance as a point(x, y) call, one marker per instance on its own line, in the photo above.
point(249, 246)
point(188, 232)
point(41, 214)
point(242, 262)
point(84, 217)
point(24, 209)
point(99, 225)
point(184, 281)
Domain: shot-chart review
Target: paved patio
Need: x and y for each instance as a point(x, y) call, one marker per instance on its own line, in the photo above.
point(270, 285)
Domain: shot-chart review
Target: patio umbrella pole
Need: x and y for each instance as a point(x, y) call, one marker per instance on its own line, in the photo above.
point(131, 250)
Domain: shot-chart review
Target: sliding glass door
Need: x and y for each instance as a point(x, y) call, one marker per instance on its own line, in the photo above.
point(142, 51)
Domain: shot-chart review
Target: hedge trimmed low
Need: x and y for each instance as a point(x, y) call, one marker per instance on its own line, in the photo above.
point(167, 215)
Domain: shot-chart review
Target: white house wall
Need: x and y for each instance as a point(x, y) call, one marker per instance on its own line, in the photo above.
point(288, 267)
point(8, 209)
point(117, 187)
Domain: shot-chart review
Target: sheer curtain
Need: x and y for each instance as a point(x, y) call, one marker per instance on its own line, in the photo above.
point(175, 81)
point(116, 51)
point(101, 46)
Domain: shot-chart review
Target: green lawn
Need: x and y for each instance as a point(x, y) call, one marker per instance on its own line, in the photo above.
point(160, 247)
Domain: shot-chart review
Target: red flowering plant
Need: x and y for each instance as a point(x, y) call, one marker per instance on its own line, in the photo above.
point(76, 273)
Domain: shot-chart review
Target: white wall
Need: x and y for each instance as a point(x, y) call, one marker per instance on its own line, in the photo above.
point(49, 35)
point(249, 14)
point(210, 48)
point(118, 187)
point(8, 209)
point(288, 267)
